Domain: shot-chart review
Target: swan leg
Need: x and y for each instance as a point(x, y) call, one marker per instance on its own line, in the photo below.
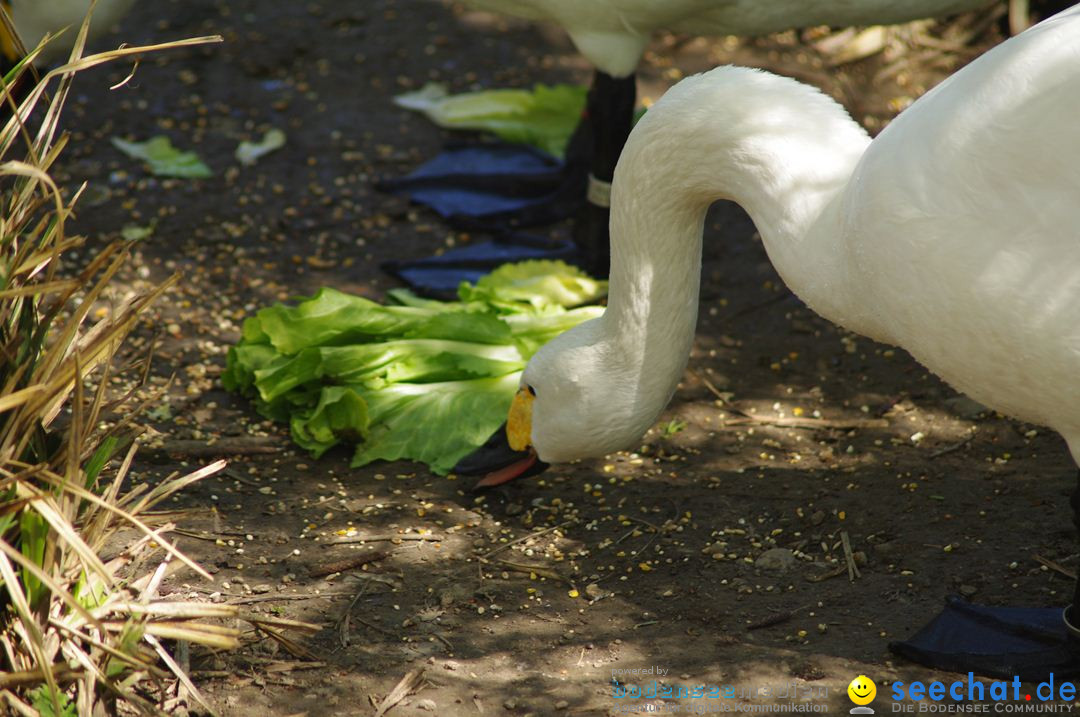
point(605, 125)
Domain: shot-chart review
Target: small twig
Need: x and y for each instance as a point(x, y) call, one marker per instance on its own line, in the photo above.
point(210, 674)
point(758, 306)
point(61, 673)
point(282, 682)
point(903, 63)
point(340, 566)
point(774, 619)
point(376, 577)
point(656, 530)
point(712, 389)
point(838, 570)
point(793, 422)
point(302, 503)
point(291, 596)
point(770, 620)
point(522, 539)
point(984, 21)
point(233, 475)
point(181, 675)
point(626, 535)
point(849, 557)
point(183, 655)
point(346, 539)
point(630, 532)
point(242, 445)
point(604, 577)
point(954, 447)
point(650, 541)
point(276, 664)
point(373, 626)
point(404, 688)
point(1056, 567)
point(950, 46)
point(643, 522)
point(646, 623)
point(812, 423)
point(259, 622)
point(342, 625)
point(203, 535)
point(291, 646)
point(539, 570)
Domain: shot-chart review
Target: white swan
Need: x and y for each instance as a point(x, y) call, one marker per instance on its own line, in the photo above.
point(955, 234)
point(33, 19)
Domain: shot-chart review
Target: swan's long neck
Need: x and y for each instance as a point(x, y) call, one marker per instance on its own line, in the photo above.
point(779, 149)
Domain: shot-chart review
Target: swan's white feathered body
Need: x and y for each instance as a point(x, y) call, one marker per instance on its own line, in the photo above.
point(612, 34)
point(954, 234)
point(34, 18)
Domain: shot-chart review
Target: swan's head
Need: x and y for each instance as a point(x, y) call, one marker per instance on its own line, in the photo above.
point(580, 396)
point(575, 399)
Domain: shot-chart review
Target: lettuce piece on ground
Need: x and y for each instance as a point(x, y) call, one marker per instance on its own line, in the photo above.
point(425, 380)
point(248, 153)
point(539, 283)
point(163, 159)
point(544, 117)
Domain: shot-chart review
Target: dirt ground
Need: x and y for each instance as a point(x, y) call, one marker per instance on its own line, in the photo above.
point(786, 432)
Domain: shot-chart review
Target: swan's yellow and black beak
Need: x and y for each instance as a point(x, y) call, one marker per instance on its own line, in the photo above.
point(507, 454)
point(519, 421)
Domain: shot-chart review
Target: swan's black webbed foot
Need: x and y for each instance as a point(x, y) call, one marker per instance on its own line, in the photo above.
point(1004, 642)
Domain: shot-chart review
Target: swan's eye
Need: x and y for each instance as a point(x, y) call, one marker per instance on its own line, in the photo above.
point(531, 390)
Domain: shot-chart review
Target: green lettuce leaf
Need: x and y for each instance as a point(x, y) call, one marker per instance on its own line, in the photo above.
point(376, 364)
point(530, 332)
point(163, 158)
point(340, 414)
point(438, 424)
point(331, 317)
point(539, 283)
point(544, 117)
point(248, 153)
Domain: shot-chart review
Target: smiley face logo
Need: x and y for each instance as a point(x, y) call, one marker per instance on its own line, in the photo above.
point(862, 690)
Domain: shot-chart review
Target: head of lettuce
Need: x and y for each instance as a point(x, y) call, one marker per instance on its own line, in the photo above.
point(419, 380)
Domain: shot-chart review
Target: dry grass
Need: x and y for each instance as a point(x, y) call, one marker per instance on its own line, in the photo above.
point(79, 634)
